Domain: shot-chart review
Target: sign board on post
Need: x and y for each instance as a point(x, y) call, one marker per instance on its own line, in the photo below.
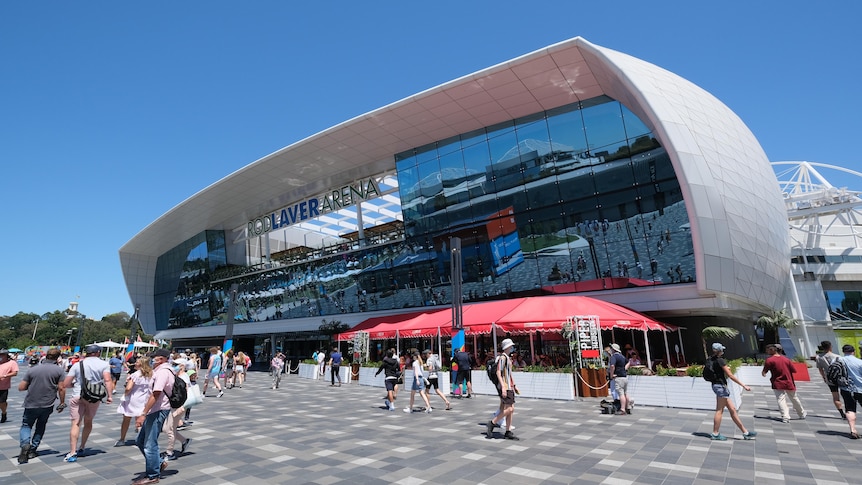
point(588, 338)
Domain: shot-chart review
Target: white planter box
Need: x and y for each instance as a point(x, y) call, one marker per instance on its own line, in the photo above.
point(678, 392)
point(750, 375)
point(367, 378)
point(542, 385)
point(308, 371)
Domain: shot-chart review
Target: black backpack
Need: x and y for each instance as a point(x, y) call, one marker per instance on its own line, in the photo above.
point(836, 373)
point(179, 393)
point(709, 373)
point(491, 369)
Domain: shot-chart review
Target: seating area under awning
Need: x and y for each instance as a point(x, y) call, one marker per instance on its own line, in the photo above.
point(517, 316)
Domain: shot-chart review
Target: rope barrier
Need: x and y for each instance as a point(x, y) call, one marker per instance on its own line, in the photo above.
point(588, 384)
point(292, 370)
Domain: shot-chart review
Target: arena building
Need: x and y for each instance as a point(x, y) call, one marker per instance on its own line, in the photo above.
point(571, 169)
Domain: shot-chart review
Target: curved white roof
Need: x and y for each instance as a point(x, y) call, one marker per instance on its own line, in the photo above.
point(738, 221)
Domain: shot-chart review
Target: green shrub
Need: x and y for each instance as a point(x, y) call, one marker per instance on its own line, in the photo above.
point(665, 371)
point(694, 371)
point(635, 371)
point(734, 365)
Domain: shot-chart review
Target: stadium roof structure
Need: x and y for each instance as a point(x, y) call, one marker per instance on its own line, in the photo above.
point(741, 253)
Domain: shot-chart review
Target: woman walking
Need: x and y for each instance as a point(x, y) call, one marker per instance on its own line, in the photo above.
point(434, 366)
point(138, 390)
point(213, 371)
point(418, 384)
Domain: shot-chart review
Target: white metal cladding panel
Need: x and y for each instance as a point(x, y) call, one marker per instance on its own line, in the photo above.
point(731, 192)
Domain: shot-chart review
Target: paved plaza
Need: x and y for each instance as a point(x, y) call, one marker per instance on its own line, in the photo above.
point(309, 432)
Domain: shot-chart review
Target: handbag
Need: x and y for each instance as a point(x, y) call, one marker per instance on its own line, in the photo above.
point(92, 392)
point(194, 396)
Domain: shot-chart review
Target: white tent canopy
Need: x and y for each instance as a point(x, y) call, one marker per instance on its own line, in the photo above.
point(109, 344)
point(143, 344)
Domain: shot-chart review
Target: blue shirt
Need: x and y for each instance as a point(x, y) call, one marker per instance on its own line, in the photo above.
point(116, 364)
point(336, 358)
point(854, 372)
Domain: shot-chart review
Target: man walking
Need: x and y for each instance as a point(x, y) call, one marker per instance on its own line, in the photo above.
point(42, 384)
point(852, 392)
point(781, 375)
point(80, 410)
point(823, 360)
point(335, 359)
point(153, 417)
point(116, 364)
point(8, 370)
point(619, 377)
point(506, 389)
point(462, 358)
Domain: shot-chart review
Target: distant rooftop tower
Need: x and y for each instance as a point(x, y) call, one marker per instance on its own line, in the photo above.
point(73, 307)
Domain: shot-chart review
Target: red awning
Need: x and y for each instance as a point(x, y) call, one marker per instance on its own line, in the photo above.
point(517, 316)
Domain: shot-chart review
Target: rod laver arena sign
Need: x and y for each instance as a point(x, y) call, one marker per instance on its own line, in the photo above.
point(308, 209)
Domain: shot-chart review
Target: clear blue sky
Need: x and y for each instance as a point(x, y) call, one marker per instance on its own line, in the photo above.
point(114, 112)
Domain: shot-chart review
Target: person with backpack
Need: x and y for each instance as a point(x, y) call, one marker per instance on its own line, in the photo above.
point(781, 371)
point(851, 392)
point(506, 389)
point(392, 370)
point(96, 372)
point(721, 373)
point(174, 422)
point(434, 366)
point(825, 358)
point(153, 417)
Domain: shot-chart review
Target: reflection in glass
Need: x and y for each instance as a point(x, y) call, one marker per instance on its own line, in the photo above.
point(579, 198)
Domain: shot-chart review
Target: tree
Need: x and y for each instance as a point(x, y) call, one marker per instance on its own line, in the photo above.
point(331, 328)
point(716, 333)
point(771, 322)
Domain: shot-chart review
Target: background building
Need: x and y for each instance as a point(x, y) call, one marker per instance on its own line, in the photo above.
point(572, 168)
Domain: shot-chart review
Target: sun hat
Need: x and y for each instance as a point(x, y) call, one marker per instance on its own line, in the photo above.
point(507, 343)
point(616, 347)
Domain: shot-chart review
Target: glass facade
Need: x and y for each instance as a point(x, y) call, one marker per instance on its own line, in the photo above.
point(182, 283)
point(578, 198)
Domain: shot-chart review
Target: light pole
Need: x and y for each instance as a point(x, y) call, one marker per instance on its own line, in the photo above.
point(35, 327)
point(69, 334)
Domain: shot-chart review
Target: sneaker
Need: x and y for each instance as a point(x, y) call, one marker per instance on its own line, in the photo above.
point(489, 428)
point(804, 415)
point(387, 403)
point(170, 456)
point(718, 437)
point(145, 480)
point(428, 410)
point(749, 435)
point(391, 407)
point(3, 418)
point(408, 410)
point(23, 457)
point(32, 453)
point(511, 436)
point(71, 457)
point(120, 443)
point(785, 420)
point(220, 394)
point(185, 445)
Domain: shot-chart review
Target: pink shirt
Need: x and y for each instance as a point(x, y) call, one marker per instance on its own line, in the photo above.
point(7, 368)
point(163, 380)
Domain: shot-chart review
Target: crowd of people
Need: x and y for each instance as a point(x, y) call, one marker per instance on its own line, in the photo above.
point(149, 384)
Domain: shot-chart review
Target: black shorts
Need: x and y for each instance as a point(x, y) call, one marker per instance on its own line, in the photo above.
point(115, 376)
point(509, 398)
point(850, 400)
point(4, 395)
point(390, 384)
point(462, 375)
point(432, 383)
point(832, 388)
